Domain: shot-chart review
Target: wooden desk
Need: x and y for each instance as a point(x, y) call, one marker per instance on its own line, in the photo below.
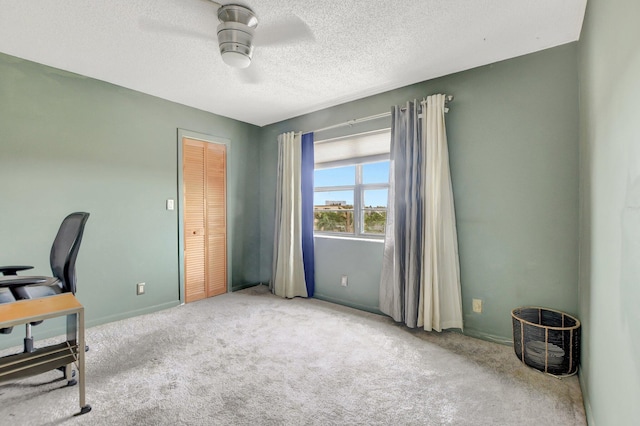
point(50, 357)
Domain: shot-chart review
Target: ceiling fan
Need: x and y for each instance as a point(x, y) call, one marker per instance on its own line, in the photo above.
point(237, 35)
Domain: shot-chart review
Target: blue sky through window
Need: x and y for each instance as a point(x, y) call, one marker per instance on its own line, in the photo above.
point(375, 172)
point(337, 176)
point(375, 197)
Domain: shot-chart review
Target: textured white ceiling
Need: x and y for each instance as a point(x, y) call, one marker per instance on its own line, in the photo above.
point(356, 48)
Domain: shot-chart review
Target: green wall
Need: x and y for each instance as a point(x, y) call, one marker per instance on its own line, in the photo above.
point(513, 138)
point(610, 212)
point(354, 259)
point(71, 143)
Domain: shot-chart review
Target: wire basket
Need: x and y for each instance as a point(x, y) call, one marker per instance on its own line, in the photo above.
point(546, 340)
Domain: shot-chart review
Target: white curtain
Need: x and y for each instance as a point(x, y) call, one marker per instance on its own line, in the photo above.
point(420, 281)
point(288, 269)
point(440, 304)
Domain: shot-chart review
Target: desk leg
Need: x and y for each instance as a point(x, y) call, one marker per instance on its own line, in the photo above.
point(84, 407)
point(72, 339)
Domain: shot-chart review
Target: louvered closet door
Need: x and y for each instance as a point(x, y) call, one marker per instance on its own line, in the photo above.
point(204, 174)
point(216, 219)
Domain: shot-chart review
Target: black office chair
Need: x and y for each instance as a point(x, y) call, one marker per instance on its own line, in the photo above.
point(6, 297)
point(63, 266)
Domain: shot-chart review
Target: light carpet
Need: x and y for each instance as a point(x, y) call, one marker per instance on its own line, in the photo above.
point(251, 358)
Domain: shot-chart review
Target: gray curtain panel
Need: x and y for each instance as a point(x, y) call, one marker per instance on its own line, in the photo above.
point(400, 279)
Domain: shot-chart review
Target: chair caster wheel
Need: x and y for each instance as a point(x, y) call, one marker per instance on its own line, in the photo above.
point(83, 410)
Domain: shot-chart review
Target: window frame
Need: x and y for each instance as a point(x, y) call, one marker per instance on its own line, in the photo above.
point(358, 189)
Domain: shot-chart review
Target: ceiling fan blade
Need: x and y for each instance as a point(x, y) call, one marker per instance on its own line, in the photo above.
point(154, 25)
point(287, 30)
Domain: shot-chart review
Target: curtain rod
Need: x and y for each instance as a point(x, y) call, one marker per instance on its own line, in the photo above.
point(448, 98)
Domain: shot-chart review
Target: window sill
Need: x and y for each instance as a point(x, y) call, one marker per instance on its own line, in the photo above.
point(350, 238)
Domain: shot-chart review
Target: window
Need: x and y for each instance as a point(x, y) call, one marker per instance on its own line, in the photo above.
point(350, 194)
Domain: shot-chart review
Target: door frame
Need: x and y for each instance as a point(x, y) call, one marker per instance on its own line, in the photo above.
point(183, 133)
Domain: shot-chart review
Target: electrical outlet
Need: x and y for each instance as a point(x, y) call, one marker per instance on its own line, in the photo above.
point(343, 281)
point(477, 305)
point(140, 289)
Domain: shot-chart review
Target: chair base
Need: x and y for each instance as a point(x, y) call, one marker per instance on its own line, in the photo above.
point(28, 344)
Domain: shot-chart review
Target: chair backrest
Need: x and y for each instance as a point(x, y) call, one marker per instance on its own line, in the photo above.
point(65, 249)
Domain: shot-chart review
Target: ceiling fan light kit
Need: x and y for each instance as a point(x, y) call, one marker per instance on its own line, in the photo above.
point(235, 34)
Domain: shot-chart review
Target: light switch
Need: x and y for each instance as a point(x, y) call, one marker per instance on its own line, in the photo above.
point(170, 204)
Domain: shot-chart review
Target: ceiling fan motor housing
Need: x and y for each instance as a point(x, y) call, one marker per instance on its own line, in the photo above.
point(235, 35)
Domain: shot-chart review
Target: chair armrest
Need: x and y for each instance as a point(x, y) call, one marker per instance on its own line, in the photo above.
point(16, 281)
point(13, 269)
